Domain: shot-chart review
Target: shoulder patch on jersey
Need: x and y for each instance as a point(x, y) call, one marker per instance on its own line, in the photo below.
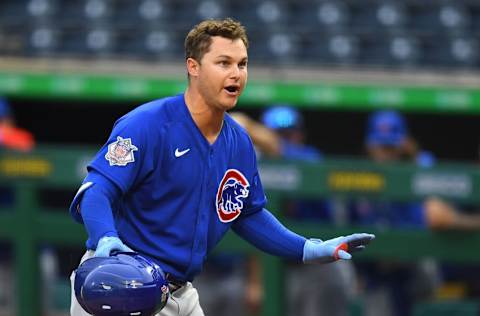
point(120, 152)
point(231, 194)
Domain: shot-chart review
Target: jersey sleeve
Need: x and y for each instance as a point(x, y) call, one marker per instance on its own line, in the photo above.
point(128, 156)
point(257, 199)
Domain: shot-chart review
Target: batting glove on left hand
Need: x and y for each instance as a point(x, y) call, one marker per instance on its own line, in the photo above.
point(317, 251)
point(108, 244)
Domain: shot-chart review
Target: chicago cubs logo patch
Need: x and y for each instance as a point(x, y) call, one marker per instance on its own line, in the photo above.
point(120, 152)
point(231, 194)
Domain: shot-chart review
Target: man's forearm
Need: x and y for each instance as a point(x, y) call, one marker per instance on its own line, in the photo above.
point(265, 232)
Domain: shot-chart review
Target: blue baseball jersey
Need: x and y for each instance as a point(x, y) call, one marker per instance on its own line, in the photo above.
point(392, 214)
point(388, 214)
point(181, 194)
point(300, 152)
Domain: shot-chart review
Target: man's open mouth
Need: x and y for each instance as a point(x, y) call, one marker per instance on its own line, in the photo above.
point(232, 89)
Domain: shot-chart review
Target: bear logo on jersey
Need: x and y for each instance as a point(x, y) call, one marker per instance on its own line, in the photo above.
point(120, 152)
point(231, 193)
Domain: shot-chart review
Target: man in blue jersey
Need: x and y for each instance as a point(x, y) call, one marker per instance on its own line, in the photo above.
point(388, 140)
point(177, 173)
point(401, 285)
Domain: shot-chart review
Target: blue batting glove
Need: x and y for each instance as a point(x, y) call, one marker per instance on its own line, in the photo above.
point(108, 244)
point(317, 251)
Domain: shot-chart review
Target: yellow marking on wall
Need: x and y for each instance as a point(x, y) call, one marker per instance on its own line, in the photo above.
point(25, 167)
point(356, 181)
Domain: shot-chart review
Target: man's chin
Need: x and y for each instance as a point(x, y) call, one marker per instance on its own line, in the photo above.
point(229, 104)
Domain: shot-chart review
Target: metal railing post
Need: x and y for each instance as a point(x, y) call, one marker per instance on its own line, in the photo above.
point(26, 253)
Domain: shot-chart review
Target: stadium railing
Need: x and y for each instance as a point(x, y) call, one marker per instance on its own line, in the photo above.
point(27, 224)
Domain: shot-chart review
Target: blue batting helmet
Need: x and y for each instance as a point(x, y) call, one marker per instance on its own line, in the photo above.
point(123, 284)
point(282, 116)
point(386, 127)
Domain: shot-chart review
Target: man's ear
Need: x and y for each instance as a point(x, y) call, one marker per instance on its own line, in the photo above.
point(192, 67)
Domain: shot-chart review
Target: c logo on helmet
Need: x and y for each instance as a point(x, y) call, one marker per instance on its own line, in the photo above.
point(231, 193)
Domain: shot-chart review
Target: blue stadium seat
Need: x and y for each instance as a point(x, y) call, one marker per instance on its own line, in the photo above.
point(320, 15)
point(97, 9)
point(453, 16)
point(342, 48)
point(338, 48)
point(397, 50)
point(151, 44)
point(189, 12)
point(87, 42)
point(274, 47)
point(139, 14)
point(211, 9)
point(464, 51)
point(439, 17)
point(40, 8)
point(391, 14)
point(283, 46)
point(262, 15)
point(392, 33)
point(404, 50)
point(42, 41)
point(100, 41)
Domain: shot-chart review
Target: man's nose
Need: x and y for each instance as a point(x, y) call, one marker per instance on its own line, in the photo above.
point(235, 73)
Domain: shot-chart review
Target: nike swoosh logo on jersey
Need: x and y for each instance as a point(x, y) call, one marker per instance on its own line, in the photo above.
point(179, 153)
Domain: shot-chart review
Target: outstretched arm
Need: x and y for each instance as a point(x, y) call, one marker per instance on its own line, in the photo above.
point(441, 215)
point(265, 232)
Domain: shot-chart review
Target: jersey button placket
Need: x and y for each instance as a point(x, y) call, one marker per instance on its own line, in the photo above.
point(202, 225)
point(206, 208)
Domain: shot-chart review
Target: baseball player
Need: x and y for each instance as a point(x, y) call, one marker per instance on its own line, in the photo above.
point(177, 173)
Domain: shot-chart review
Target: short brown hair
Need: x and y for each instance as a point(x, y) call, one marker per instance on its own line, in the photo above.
point(198, 40)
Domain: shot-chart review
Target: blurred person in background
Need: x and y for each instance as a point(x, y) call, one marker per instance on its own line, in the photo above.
point(223, 284)
point(310, 290)
point(17, 139)
point(388, 140)
point(280, 134)
point(11, 136)
point(400, 286)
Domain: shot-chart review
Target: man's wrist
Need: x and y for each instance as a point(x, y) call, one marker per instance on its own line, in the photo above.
point(107, 235)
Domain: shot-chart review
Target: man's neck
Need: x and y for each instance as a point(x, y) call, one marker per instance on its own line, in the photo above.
point(208, 119)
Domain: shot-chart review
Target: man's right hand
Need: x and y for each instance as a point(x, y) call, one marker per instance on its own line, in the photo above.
point(108, 244)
